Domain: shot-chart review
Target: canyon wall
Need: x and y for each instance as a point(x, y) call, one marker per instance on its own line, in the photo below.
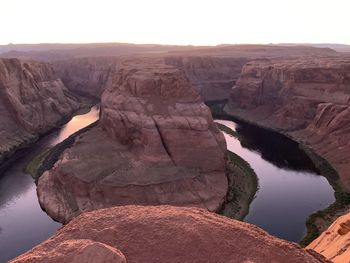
point(212, 76)
point(32, 101)
point(164, 234)
point(156, 143)
point(84, 68)
point(307, 99)
point(85, 76)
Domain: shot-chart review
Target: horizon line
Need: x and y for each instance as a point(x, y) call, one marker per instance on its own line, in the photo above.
point(168, 44)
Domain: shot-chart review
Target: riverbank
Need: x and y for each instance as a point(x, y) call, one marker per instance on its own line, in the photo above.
point(8, 158)
point(242, 187)
point(19, 199)
point(319, 221)
point(46, 159)
point(242, 181)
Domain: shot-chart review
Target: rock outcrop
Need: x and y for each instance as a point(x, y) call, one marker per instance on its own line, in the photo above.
point(334, 243)
point(164, 234)
point(156, 143)
point(32, 101)
point(76, 251)
point(85, 76)
point(308, 99)
point(212, 76)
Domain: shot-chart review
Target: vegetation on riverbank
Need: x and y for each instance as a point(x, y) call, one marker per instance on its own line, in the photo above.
point(33, 167)
point(19, 148)
point(46, 159)
point(242, 181)
point(243, 185)
point(36, 166)
point(227, 130)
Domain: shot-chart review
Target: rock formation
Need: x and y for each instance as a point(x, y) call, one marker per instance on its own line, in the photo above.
point(32, 101)
point(76, 251)
point(212, 76)
point(156, 143)
point(164, 234)
point(334, 243)
point(308, 99)
point(85, 76)
point(84, 68)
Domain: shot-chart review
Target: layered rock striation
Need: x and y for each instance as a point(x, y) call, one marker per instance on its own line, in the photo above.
point(334, 243)
point(85, 76)
point(32, 101)
point(164, 234)
point(156, 143)
point(212, 76)
point(308, 99)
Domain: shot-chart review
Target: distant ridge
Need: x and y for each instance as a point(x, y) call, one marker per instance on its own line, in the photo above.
point(336, 47)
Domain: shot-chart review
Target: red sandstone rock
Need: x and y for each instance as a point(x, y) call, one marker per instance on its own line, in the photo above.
point(212, 76)
point(87, 76)
point(335, 241)
point(156, 144)
point(76, 251)
point(165, 234)
point(32, 101)
point(307, 98)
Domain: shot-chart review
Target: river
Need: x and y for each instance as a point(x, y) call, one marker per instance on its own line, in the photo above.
point(290, 189)
point(23, 224)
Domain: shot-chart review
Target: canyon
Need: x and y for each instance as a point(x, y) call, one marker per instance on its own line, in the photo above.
point(156, 144)
point(85, 76)
point(307, 99)
point(33, 100)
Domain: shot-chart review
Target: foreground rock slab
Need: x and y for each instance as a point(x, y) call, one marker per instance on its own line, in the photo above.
point(156, 143)
point(165, 234)
point(334, 243)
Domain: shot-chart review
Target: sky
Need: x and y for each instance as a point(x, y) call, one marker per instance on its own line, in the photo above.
point(196, 22)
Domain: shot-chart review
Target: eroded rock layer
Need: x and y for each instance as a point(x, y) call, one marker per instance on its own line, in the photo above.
point(334, 243)
point(32, 101)
point(156, 143)
point(308, 99)
point(85, 76)
point(212, 76)
point(164, 234)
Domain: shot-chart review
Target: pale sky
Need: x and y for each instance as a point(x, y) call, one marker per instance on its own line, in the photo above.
point(197, 22)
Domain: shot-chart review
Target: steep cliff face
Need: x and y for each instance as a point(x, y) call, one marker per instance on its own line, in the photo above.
point(212, 70)
point(32, 100)
point(307, 98)
point(334, 243)
point(85, 76)
point(212, 76)
point(164, 234)
point(156, 144)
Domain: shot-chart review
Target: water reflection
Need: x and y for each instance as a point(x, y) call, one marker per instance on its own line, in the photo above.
point(23, 224)
point(289, 187)
point(75, 124)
